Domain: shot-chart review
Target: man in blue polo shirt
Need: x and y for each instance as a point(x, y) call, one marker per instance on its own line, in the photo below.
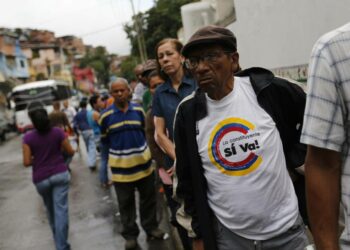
point(122, 128)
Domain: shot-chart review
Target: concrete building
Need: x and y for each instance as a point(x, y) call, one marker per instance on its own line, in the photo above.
point(46, 59)
point(72, 45)
point(13, 63)
point(275, 34)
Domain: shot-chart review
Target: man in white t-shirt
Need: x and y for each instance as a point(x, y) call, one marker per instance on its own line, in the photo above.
point(231, 137)
point(69, 111)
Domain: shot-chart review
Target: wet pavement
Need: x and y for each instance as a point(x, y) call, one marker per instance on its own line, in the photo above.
point(93, 211)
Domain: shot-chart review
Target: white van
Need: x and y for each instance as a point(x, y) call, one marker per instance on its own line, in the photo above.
point(42, 91)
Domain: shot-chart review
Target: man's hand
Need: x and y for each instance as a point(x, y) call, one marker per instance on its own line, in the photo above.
point(197, 244)
point(171, 171)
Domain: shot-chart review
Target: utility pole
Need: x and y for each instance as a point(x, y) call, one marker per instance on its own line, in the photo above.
point(138, 29)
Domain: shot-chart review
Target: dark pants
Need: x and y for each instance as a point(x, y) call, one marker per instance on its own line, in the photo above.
point(127, 206)
point(293, 239)
point(173, 205)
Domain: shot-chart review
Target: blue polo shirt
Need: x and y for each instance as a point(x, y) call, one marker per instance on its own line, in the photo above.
point(129, 155)
point(166, 100)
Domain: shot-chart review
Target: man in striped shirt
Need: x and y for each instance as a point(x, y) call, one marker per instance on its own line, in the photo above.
point(122, 128)
point(326, 131)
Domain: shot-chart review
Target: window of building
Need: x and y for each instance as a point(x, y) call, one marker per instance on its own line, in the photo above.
point(36, 54)
point(10, 62)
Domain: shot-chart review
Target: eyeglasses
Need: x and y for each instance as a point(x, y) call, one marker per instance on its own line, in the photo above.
point(210, 58)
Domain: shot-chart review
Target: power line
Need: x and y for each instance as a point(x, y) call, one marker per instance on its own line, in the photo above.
point(100, 30)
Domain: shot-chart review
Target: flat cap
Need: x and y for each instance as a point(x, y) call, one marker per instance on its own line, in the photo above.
point(211, 35)
point(148, 66)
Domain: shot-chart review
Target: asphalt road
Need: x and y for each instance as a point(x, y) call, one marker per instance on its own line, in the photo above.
point(93, 211)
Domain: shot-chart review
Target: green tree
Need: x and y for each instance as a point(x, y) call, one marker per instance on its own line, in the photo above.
point(161, 21)
point(99, 60)
point(127, 68)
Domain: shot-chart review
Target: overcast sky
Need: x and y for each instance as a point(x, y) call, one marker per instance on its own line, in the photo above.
point(97, 22)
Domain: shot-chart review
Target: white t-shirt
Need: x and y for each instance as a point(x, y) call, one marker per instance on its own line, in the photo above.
point(249, 188)
point(140, 89)
point(70, 113)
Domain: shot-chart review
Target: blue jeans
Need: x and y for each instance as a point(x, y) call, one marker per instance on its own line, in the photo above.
point(89, 139)
point(104, 151)
point(54, 191)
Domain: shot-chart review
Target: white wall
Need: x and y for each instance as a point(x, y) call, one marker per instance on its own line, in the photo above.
point(281, 33)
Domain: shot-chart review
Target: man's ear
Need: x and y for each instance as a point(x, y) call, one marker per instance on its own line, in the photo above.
point(235, 61)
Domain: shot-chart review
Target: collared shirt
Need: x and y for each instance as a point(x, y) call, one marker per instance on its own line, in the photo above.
point(93, 123)
point(80, 120)
point(129, 154)
point(325, 122)
point(166, 100)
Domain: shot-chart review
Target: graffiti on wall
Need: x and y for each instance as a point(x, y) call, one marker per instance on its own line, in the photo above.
point(297, 73)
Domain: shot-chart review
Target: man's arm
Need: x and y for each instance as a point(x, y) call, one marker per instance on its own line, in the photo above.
point(95, 116)
point(102, 122)
point(162, 137)
point(322, 172)
point(157, 153)
point(183, 181)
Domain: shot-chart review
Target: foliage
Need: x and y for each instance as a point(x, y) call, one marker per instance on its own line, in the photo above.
point(40, 77)
point(127, 68)
point(99, 60)
point(161, 21)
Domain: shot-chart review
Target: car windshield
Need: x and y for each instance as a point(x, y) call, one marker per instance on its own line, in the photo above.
point(23, 98)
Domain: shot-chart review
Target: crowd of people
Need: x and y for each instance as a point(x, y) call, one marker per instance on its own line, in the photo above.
point(231, 147)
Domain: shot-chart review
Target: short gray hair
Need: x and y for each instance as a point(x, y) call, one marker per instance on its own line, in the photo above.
point(119, 80)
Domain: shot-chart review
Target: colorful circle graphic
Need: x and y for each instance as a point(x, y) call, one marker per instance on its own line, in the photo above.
point(226, 166)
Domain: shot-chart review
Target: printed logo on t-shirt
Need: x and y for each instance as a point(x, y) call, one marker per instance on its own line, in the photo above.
point(232, 146)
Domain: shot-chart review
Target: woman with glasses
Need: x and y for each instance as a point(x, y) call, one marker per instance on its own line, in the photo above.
point(178, 84)
point(42, 149)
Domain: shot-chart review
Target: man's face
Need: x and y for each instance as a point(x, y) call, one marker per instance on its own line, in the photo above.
point(213, 68)
point(138, 72)
point(154, 82)
point(100, 104)
point(65, 104)
point(120, 93)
